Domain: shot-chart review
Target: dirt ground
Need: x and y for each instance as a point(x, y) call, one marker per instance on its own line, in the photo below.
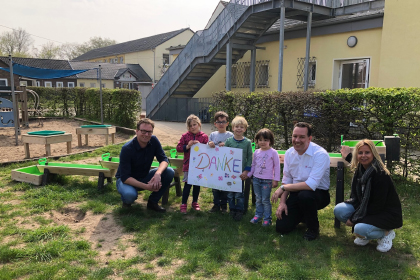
point(10, 152)
point(107, 237)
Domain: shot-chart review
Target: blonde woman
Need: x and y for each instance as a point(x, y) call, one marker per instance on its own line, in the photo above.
point(374, 208)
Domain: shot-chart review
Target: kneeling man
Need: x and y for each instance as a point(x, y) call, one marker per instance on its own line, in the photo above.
point(134, 172)
point(305, 184)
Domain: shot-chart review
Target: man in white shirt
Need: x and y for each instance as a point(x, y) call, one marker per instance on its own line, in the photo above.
point(305, 184)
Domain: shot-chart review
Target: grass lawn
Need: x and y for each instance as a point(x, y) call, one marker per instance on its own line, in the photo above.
point(63, 230)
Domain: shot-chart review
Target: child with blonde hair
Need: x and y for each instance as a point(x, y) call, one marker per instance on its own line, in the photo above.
point(193, 136)
point(235, 199)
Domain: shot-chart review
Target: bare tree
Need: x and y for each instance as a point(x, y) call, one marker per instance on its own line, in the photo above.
point(16, 42)
point(95, 43)
point(48, 51)
point(69, 51)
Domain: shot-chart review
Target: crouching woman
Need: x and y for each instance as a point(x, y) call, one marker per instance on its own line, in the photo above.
point(374, 208)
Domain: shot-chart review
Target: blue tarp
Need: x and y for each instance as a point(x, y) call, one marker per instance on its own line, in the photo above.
point(41, 73)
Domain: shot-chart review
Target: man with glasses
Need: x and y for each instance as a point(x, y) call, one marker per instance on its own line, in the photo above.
point(134, 172)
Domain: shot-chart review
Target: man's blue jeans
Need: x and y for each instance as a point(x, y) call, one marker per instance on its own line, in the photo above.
point(343, 212)
point(129, 193)
point(262, 190)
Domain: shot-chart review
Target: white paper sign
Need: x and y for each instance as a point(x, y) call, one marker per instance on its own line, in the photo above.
point(216, 168)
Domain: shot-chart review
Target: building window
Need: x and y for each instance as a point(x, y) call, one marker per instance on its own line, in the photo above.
point(301, 72)
point(354, 74)
point(59, 84)
point(70, 84)
point(121, 60)
point(241, 74)
point(103, 86)
point(92, 85)
point(165, 59)
point(82, 84)
point(38, 83)
point(3, 82)
point(23, 83)
point(48, 84)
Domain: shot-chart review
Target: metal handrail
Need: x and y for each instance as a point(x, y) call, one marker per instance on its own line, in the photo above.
point(200, 45)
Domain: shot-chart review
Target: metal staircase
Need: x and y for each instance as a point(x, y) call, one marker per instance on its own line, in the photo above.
point(241, 23)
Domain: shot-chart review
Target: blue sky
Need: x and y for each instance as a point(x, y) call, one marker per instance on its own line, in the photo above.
point(123, 20)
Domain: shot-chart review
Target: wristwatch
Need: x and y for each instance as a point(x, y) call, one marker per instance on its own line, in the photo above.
point(282, 187)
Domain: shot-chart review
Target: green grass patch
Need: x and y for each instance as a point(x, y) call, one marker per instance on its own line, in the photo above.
point(199, 245)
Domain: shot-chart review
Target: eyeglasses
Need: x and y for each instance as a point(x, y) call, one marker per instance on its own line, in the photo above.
point(150, 132)
point(223, 122)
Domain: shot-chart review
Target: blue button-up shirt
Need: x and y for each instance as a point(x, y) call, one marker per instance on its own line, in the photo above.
point(136, 161)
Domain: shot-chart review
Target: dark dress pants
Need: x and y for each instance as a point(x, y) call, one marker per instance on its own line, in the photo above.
point(303, 206)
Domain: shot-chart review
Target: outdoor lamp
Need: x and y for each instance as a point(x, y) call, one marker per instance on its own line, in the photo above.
point(352, 41)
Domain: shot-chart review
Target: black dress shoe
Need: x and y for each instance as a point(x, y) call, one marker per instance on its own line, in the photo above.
point(311, 234)
point(126, 206)
point(155, 207)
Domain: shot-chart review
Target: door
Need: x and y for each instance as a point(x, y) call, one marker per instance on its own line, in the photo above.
point(354, 74)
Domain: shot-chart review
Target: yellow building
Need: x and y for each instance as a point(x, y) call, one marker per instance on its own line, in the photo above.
point(375, 45)
point(385, 54)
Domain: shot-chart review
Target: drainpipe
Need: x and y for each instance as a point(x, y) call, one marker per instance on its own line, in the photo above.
point(154, 65)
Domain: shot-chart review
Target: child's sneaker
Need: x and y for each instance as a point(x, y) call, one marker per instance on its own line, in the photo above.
point(266, 223)
point(361, 241)
point(223, 208)
point(255, 220)
point(183, 208)
point(195, 206)
point(238, 216)
point(385, 243)
point(214, 209)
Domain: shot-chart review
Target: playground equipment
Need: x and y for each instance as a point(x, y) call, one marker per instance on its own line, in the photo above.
point(113, 162)
point(6, 113)
point(39, 174)
point(12, 112)
point(46, 137)
point(95, 129)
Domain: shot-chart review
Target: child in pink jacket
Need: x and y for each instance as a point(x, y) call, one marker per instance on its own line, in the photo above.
point(193, 136)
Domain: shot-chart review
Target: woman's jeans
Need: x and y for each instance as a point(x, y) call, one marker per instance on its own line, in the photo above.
point(262, 190)
point(343, 212)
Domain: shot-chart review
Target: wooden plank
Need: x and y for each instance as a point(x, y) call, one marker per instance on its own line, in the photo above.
point(26, 177)
point(96, 130)
point(62, 170)
point(69, 147)
point(176, 162)
point(27, 153)
point(66, 137)
point(52, 139)
point(79, 140)
point(48, 149)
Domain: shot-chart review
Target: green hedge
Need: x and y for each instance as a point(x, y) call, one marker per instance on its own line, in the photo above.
point(120, 106)
point(373, 112)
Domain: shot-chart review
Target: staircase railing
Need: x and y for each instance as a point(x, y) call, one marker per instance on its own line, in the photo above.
point(200, 45)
